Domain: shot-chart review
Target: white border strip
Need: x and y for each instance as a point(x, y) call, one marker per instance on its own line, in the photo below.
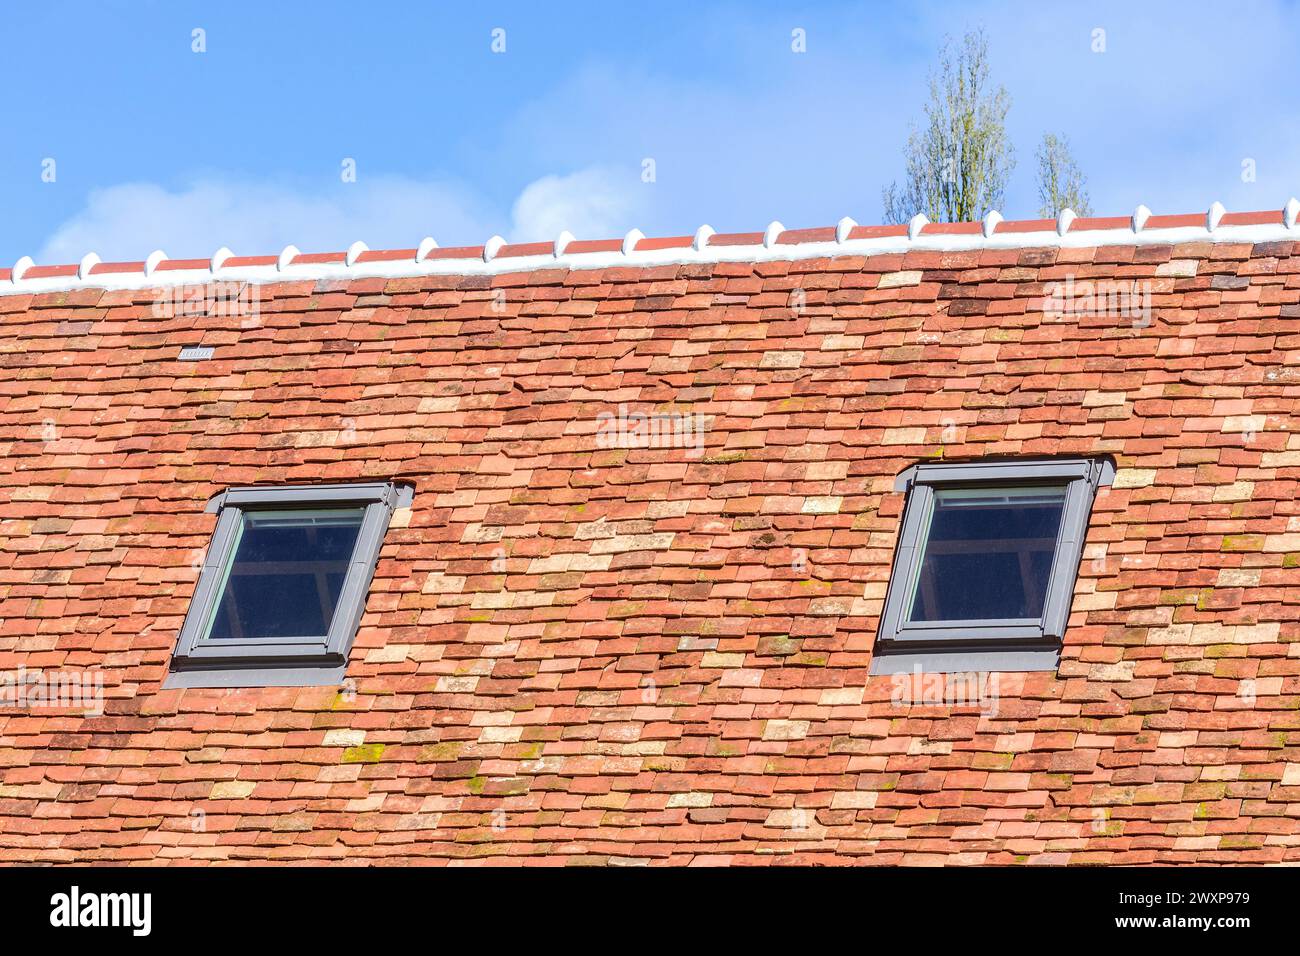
point(490, 264)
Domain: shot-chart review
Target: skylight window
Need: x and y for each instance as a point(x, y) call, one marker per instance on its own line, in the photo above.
point(285, 573)
point(986, 564)
point(284, 584)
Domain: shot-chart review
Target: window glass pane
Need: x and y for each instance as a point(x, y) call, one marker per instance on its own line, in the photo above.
point(987, 554)
point(286, 573)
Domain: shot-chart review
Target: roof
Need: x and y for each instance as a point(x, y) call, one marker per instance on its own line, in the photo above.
point(773, 243)
point(579, 652)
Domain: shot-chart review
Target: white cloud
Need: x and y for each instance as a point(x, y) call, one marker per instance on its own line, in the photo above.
point(130, 220)
point(597, 203)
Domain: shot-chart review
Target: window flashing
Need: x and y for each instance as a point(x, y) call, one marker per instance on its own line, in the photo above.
point(286, 675)
point(985, 643)
point(1042, 470)
point(959, 660)
point(306, 496)
point(299, 660)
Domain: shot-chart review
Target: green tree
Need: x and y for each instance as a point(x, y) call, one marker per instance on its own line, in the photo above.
point(1060, 183)
point(958, 166)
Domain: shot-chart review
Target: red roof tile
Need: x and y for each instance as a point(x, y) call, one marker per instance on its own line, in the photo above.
point(578, 652)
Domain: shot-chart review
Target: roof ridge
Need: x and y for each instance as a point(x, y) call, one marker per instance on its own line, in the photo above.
point(775, 242)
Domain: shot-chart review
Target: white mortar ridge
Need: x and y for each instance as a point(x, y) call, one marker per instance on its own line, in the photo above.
point(1212, 217)
point(426, 246)
point(630, 240)
point(354, 252)
point(492, 247)
point(992, 235)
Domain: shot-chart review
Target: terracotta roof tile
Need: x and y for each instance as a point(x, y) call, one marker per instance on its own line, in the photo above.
point(579, 652)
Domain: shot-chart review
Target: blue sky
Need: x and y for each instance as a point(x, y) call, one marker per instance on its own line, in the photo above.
point(156, 146)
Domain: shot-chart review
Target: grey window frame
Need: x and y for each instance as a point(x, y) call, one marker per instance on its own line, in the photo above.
point(1015, 644)
point(289, 661)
